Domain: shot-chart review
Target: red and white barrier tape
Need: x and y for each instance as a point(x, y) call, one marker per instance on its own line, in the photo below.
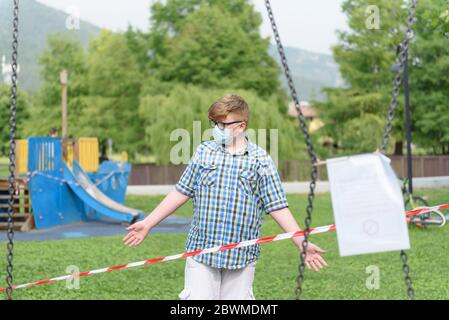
point(247, 243)
point(421, 210)
point(62, 180)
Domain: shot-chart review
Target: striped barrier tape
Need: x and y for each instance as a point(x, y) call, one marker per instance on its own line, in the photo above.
point(30, 175)
point(247, 243)
point(421, 210)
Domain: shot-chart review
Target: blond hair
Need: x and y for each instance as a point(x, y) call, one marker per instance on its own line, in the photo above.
point(227, 104)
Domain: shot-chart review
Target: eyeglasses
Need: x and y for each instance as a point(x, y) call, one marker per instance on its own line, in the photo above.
point(222, 125)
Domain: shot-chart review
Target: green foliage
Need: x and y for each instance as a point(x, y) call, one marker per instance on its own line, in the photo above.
point(351, 117)
point(62, 52)
point(430, 82)
point(33, 38)
point(103, 91)
point(195, 51)
point(129, 81)
point(365, 57)
point(213, 44)
point(112, 69)
point(363, 133)
point(114, 79)
point(22, 112)
point(138, 44)
point(445, 21)
point(440, 18)
point(178, 109)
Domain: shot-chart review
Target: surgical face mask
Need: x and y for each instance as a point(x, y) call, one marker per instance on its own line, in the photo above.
point(222, 136)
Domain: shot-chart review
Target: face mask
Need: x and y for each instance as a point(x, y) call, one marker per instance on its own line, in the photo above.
point(222, 136)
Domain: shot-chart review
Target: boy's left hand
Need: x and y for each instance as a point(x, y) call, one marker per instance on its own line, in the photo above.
point(313, 257)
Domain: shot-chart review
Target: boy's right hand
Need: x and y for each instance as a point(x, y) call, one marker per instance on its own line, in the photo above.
point(137, 233)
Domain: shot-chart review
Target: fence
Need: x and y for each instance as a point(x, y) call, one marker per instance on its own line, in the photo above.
point(292, 170)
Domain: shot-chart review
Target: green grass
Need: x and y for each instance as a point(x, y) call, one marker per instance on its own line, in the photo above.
point(345, 278)
point(4, 170)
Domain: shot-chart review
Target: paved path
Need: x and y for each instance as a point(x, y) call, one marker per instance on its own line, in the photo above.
point(172, 224)
point(289, 187)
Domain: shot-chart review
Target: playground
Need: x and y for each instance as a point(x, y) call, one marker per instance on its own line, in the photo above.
point(53, 188)
point(72, 226)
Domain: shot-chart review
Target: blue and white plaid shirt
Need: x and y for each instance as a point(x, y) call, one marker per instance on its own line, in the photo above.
point(229, 193)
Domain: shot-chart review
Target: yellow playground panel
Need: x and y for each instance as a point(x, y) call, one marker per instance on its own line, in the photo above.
point(22, 156)
point(85, 150)
point(69, 152)
point(88, 154)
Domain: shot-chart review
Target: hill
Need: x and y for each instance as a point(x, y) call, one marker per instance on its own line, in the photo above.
point(36, 22)
point(311, 72)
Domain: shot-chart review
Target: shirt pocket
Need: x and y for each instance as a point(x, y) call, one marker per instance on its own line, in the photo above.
point(207, 174)
point(248, 181)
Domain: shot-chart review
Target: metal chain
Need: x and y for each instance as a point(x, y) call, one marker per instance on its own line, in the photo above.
point(402, 56)
point(12, 150)
point(407, 278)
point(310, 151)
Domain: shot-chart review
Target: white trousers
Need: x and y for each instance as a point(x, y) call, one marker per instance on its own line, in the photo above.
point(203, 282)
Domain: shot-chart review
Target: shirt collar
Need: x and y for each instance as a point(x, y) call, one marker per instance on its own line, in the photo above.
point(249, 149)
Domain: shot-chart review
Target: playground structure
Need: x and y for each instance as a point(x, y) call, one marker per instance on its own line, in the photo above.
point(61, 181)
point(21, 205)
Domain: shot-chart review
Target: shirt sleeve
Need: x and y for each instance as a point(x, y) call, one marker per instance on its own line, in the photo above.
point(271, 190)
point(187, 183)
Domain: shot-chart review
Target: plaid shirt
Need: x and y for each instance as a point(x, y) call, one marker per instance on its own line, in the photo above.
point(229, 194)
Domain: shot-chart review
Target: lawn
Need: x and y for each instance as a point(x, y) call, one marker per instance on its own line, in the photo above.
point(4, 169)
point(345, 278)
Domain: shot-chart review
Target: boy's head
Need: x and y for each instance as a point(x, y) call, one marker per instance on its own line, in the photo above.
point(230, 112)
point(53, 132)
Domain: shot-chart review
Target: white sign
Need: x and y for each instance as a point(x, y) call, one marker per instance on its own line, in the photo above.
point(368, 205)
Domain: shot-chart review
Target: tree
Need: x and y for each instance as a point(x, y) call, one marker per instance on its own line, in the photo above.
point(442, 22)
point(365, 56)
point(113, 80)
point(430, 82)
point(168, 119)
point(138, 44)
point(112, 69)
point(209, 43)
point(22, 114)
point(62, 52)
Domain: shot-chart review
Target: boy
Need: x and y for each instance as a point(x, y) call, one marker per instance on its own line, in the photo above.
point(231, 181)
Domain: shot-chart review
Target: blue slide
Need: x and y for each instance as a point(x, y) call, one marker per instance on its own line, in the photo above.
point(90, 195)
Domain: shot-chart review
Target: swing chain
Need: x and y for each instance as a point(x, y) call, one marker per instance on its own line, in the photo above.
point(407, 278)
point(310, 150)
point(12, 155)
point(402, 56)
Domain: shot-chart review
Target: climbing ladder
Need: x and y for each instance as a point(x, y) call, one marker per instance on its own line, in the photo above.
point(23, 218)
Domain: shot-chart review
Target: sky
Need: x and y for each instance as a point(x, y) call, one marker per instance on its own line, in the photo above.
point(305, 24)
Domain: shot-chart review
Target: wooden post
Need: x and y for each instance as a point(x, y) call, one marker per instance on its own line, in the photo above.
point(422, 167)
point(64, 79)
point(403, 167)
